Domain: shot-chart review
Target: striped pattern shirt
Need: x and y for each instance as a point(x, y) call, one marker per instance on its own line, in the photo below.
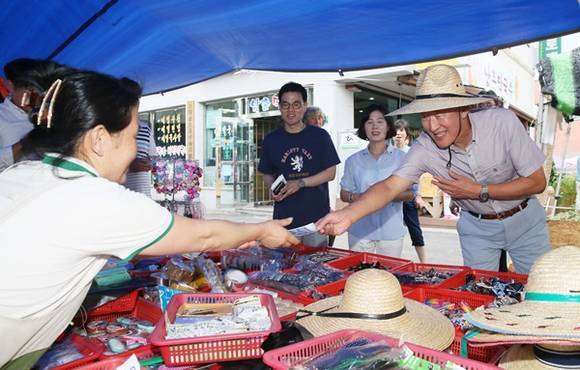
point(141, 181)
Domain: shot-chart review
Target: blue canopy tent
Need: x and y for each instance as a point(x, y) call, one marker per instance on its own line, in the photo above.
point(171, 43)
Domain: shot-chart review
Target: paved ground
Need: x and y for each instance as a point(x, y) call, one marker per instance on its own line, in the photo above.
point(442, 244)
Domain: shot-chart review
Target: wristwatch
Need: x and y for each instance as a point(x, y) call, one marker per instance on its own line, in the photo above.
point(484, 194)
point(301, 183)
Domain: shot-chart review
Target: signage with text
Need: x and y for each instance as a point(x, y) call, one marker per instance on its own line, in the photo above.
point(169, 126)
point(551, 46)
point(263, 103)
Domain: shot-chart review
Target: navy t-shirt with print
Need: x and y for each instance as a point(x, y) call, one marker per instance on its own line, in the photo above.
point(297, 156)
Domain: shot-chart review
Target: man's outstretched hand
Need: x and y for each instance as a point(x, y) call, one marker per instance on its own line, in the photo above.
point(334, 223)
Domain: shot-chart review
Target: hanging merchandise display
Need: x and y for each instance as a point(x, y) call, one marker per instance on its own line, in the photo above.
point(179, 181)
point(558, 77)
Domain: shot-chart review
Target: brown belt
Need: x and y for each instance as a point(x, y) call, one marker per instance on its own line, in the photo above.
point(501, 215)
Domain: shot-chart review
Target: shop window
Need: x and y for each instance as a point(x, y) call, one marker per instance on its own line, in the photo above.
point(365, 98)
point(218, 126)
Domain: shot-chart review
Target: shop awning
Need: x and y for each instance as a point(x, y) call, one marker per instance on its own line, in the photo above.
point(171, 43)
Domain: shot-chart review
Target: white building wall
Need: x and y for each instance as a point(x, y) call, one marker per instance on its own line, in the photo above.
point(338, 104)
point(511, 74)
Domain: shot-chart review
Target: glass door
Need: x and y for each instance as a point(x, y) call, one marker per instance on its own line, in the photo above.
point(244, 154)
point(262, 127)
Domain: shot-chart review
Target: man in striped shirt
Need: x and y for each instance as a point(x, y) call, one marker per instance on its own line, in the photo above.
point(139, 177)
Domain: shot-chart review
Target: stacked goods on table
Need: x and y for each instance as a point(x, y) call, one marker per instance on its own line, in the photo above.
point(506, 287)
point(208, 310)
point(70, 353)
point(421, 274)
point(124, 333)
point(352, 349)
point(215, 327)
point(454, 305)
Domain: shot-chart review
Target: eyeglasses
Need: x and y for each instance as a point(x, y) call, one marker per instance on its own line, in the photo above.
point(286, 106)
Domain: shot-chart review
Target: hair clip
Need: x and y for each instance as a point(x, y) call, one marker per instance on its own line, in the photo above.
point(51, 94)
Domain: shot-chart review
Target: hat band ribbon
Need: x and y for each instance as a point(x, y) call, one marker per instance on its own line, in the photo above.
point(552, 297)
point(559, 359)
point(353, 315)
point(431, 96)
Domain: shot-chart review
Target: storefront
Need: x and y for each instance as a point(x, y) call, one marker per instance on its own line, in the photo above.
point(233, 134)
point(227, 118)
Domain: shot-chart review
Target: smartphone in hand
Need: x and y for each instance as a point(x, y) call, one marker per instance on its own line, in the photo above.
point(278, 184)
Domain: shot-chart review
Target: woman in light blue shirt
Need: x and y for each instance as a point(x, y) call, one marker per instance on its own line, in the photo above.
point(383, 231)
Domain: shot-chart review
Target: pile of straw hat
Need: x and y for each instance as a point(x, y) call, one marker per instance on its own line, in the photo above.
point(373, 301)
point(549, 315)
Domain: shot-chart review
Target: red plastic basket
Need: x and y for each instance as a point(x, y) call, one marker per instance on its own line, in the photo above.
point(483, 354)
point(416, 267)
point(303, 296)
point(219, 348)
point(298, 298)
point(89, 348)
point(458, 281)
point(110, 364)
point(472, 300)
point(339, 251)
point(337, 287)
point(125, 303)
point(286, 357)
point(389, 263)
point(143, 310)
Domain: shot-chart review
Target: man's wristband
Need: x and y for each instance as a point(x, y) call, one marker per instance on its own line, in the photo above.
point(301, 184)
point(350, 197)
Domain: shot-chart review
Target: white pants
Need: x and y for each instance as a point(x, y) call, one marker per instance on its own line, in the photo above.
point(391, 248)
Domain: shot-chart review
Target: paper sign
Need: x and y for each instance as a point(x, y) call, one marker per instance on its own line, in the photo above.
point(132, 363)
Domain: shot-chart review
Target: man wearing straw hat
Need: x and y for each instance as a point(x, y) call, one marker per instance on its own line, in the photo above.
point(483, 159)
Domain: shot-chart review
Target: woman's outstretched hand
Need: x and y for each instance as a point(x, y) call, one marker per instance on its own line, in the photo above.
point(276, 235)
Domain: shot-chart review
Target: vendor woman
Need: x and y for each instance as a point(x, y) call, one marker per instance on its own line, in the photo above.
point(62, 217)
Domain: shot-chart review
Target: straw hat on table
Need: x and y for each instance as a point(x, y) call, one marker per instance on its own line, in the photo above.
point(529, 357)
point(484, 338)
point(373, 301)
point(551, 307)
point(439, 87)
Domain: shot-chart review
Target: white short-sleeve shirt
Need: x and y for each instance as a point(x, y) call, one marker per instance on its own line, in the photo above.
point(59, 222)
